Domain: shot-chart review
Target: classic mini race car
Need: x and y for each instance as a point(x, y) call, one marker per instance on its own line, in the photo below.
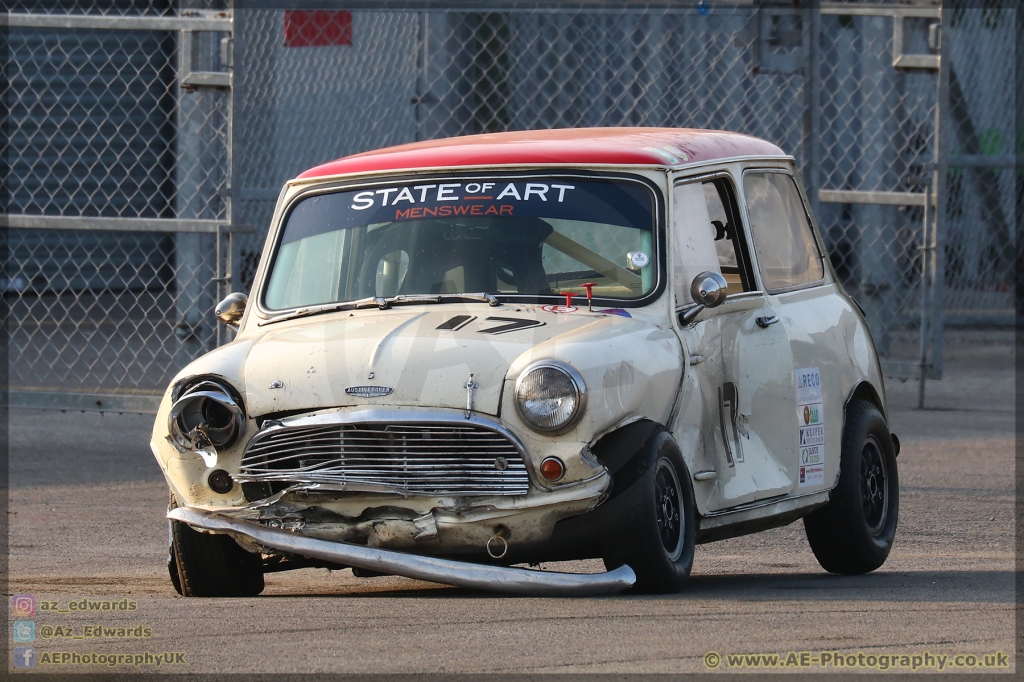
point(466, 356)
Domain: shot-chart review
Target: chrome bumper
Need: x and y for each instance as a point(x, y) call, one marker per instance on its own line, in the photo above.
point(518, 581)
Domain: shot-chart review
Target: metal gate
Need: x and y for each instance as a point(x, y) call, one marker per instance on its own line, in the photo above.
point(119, 217)
point(143, 142)
point(877, 167)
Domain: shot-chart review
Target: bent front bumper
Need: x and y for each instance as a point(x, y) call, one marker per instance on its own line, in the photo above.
point(516, 581)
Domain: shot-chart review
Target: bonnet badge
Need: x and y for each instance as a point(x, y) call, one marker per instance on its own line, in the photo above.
point(369, 391)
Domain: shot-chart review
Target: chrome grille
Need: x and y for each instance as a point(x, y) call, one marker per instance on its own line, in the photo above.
point(415, 459)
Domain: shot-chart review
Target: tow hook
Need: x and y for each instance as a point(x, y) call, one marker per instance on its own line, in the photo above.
point(497, 546)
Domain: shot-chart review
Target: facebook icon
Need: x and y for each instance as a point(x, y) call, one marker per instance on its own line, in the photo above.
point(24, 656)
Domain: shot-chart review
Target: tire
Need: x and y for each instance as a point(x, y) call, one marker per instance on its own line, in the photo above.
point(172, 563)
point(208, 565)
point(653, 517)
point(854, 532)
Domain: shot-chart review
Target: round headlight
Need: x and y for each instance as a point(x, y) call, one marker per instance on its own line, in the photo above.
point(206, 414)
point(550, 396)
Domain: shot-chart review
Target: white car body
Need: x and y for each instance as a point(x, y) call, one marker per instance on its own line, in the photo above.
point(743, 451)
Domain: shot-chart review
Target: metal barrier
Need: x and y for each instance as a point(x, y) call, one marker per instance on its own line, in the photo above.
point(118, 221)
point(145, 136)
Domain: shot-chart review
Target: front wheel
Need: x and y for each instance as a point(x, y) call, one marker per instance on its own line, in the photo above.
point(654, 522)
point(854, 532)
point(208, 565)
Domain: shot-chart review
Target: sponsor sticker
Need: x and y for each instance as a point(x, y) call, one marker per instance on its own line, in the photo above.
point(615, 203)
point(615, 311)
point(639, 259)
point(810, 420)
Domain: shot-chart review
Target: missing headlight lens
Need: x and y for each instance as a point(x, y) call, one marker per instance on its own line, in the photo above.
point(206, 414)
point(550, 396)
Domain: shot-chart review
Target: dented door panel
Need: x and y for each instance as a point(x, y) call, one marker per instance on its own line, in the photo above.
point(742, 397)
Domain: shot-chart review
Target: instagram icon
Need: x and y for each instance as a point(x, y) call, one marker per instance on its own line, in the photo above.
point(23, 605)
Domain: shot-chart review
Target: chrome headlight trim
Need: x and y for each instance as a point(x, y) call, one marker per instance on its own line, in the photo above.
point(578, 384)
point(201, 435)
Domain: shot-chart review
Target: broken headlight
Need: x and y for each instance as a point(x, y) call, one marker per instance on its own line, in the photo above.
point(550, 396)
point(206, 416)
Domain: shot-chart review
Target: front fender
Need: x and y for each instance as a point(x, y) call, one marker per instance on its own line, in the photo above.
point(631, 370)
point(186, 472)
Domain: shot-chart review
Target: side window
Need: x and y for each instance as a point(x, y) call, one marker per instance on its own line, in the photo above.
point(706, 237)
point(787, 254)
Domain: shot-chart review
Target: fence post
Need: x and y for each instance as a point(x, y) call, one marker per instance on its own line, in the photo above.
point(875, 223)
point(193, 267)
point(812, 107)
point(942, 142)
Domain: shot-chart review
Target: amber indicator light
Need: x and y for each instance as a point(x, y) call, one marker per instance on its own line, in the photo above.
point(552, 469)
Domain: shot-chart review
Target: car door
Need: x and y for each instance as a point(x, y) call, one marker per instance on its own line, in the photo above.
point(738, 385)
point(793, 273)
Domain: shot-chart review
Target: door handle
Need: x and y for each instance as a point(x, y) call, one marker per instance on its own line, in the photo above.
point(766, 321)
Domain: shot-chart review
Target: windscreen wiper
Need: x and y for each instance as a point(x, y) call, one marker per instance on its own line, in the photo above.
point(368, 302)
point(414, 299)
point(383, 303)
point(489, 299)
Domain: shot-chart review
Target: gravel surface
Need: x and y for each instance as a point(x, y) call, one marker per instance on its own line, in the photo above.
point(86, 518)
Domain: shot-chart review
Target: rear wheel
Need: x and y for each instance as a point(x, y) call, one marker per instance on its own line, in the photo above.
point(654, 522)
point(854, 532)
point(208, 565)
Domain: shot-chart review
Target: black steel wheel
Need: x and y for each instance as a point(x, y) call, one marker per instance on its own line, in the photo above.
point(855, 531)
point(669, 509)
point(874, 489)
point(652, 517)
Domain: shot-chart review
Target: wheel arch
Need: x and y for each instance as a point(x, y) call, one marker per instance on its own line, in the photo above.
point(615, 448)
point(865, 391)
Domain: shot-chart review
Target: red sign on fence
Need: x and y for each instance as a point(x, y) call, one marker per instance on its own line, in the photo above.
point(316, 28)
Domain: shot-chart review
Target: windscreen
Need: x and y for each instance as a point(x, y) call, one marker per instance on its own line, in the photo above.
point(535, 236)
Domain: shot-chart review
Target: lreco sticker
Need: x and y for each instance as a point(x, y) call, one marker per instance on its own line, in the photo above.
point(811, 426)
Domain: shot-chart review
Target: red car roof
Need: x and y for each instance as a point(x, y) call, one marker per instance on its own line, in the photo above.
point(617, 146)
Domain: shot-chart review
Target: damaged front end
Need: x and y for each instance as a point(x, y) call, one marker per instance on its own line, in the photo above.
point(405, 480)
point(390, 484)
point(508, 580)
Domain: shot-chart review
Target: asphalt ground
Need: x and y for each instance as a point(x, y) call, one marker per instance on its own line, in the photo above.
point(86, 512)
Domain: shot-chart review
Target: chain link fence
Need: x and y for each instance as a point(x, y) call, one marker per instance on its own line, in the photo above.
point(983, 185)
point(145, 124)
point(406, 75)
point(117, 176)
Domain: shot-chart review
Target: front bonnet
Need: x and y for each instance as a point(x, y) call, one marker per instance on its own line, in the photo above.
point(425, 357)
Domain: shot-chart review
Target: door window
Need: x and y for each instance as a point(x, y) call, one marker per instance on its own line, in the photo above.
point(707, 237)
point(787, 254)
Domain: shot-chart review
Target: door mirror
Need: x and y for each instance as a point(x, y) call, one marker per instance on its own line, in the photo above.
point(230, 310)
point(708, 290)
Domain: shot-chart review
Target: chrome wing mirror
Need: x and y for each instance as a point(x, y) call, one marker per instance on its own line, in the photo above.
point(708, 290)
point(230, 310)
